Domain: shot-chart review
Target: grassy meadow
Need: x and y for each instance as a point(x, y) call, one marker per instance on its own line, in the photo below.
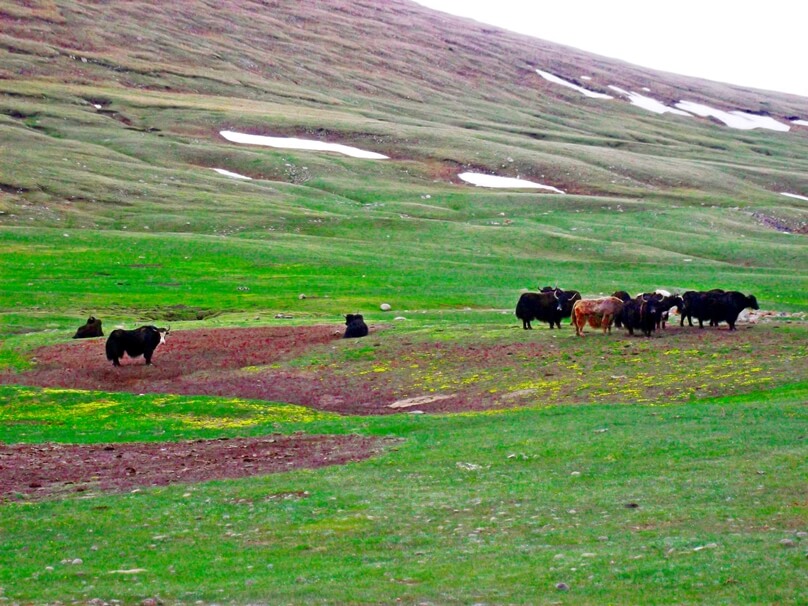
point(603, 470)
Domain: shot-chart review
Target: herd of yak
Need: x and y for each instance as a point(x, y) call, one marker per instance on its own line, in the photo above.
point(646, 312)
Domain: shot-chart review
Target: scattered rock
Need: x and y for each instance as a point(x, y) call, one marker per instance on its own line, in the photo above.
point(385, 307)
point(128, 571)
point(788, 543)
point(562, 587)
point(418, 401)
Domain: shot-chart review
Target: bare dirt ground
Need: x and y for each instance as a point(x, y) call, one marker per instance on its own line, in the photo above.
point(231, 362)
point(46, 470)
point(191, 362)
point(386, 377)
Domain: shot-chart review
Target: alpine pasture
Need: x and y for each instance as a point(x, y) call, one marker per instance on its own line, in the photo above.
point(449, 456)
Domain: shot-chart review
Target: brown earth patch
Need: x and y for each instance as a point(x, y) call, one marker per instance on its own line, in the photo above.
point(36, 471)
point(231, 362)
point(529, 367)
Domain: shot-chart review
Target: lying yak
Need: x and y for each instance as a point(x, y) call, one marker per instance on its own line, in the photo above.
point(91, 329)
point(355, 326)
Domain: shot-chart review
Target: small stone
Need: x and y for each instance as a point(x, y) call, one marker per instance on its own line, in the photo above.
point(385, 307)
point(788, 543)
point(301, 296)
point(562, 587)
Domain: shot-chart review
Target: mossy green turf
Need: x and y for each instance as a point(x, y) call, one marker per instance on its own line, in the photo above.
point(686, 503)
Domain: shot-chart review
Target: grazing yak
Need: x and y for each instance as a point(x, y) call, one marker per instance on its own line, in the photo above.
point(603, 310)
point(91, 329)
point(542, 306)
point(138, 342)
point(716, 306)
point(355, 326)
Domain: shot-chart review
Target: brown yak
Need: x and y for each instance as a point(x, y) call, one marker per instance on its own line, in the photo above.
point(599, 312)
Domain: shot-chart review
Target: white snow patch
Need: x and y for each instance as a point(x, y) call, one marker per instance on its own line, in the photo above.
point(652, 105)
point(305, 144)
point(482, 180)
point(584, 91)
point(227, 173)
point(800, 122)
point(797, 196)
point(734, 119)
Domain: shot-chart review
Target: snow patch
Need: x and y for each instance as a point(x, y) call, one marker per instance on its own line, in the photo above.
point(584, 91)
point(797, 196)
point(304, 144)
point(227, 173)
point(734, 119)
point(800, 122)
point(482, 180)
point(648, 103)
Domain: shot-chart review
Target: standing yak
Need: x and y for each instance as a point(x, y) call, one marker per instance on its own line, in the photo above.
point(134, 343)
point(715, 306)
point(542, 306)
point(572, 297)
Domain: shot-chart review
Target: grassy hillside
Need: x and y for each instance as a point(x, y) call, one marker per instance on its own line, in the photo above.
point(668, 470)
point(109, 122)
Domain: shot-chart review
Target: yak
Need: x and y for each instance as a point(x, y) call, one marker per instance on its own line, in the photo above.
point(572, 297)
point(355, 326)
point(641, 313)
point(727, 306)
point(92, 328)
point(715, 306)
point(604, 310)
point(138, 342)
point(542, 306)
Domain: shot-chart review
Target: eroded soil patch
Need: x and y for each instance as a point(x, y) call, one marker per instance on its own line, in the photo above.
point(35, 471)
point(312, 366)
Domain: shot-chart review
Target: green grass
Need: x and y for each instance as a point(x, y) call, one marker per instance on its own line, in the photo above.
point(115, 212)
point(475, 507)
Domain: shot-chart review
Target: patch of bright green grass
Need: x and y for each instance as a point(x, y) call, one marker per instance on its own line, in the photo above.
point(686, 503)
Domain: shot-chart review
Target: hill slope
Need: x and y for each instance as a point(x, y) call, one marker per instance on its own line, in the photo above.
point(110, 121)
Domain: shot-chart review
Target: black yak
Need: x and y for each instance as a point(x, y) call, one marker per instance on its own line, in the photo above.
point(542, 306)
point(138, 342)
point(91, 329)
point(355, 326)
